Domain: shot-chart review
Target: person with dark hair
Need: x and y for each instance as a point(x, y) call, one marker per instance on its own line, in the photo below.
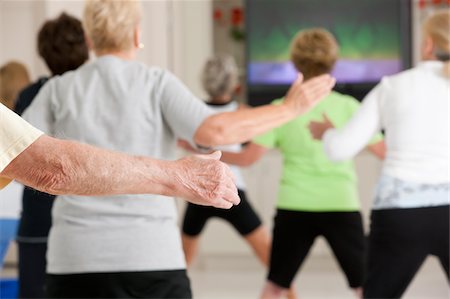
point(62, 46)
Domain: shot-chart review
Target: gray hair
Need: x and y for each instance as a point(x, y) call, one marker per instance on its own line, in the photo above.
point(220, 75)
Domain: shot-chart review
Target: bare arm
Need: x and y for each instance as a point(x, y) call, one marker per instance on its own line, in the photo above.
point(249, 155)
point(378, 149)
point(243, 124)
point(65, 167)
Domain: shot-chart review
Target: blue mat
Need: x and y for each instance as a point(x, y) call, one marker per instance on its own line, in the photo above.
point(9, 288)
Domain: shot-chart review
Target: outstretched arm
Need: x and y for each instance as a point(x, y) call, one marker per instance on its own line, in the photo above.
point(249, 155)
point(242, 125)
point(65, 167)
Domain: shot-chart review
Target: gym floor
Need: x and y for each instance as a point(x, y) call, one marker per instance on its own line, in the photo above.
point(242, 278)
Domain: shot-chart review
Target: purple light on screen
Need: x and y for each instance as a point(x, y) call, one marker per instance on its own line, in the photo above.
point(345, 71)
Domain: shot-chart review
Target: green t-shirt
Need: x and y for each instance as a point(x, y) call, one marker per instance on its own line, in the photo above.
point(311, 182)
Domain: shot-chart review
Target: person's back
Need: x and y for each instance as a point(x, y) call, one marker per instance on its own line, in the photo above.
point(115, 104)
point(410, 213)
point(307, 170)
point(415, 117)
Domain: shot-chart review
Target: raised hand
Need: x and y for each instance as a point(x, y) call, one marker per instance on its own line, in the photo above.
point(302, 96)
point(318, 128)
point(204, 180)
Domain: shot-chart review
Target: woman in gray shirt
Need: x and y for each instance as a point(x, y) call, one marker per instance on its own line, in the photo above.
point(129, 246)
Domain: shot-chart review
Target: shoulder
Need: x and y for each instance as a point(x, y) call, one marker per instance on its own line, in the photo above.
point(341, 99)
point(403, 77)
point(32, 89)
point(337, 103)
point(27, 95)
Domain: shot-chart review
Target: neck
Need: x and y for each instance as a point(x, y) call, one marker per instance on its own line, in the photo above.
point(126, 55)
point(220, 100)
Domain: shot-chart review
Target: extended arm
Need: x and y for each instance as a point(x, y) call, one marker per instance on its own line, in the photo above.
point(243, 124)
point(249, 155)
point(65, 167)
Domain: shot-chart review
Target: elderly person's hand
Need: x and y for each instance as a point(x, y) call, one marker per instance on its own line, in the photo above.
point(204, 180)
point(302, 96)
point(318, 128)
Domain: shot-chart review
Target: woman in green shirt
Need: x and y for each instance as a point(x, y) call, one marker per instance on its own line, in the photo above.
point(316, 197)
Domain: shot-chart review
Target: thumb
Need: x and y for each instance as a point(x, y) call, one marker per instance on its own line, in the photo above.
point(213, 156)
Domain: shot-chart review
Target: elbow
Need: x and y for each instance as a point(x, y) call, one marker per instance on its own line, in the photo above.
point(55, 184)
point(211, 133)
point(57, 181)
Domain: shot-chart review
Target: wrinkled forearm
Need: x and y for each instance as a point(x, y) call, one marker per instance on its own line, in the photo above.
point(241, 125)
point(65, 167)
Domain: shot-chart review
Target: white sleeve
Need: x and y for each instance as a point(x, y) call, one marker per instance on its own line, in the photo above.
point(15, 136)
point(346, 142)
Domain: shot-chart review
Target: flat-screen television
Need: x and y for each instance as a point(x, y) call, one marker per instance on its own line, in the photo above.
point(374, 38)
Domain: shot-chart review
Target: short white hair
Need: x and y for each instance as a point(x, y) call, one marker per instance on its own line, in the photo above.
point(110, 24)
point(220, 75)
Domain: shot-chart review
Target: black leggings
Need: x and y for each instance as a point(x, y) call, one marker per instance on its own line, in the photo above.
point(151, 284)
point(399, 242)
point(32, 264)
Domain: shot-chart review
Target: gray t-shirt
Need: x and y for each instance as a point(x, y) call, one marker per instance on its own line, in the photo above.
point(128, 107)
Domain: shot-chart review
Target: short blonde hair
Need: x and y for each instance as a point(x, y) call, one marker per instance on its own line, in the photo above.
point(110, 24)
point(314, 52)
point(13, 78)
point(220, 75)
point(437, 27)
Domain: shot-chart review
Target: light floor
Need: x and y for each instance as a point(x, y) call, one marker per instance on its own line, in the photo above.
point(242, 278)
point(319, 278)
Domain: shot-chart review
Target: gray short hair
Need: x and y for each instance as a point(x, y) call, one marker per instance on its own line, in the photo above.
point(220, 75)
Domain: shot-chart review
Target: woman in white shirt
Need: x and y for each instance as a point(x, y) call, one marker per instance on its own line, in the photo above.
point(410, 214)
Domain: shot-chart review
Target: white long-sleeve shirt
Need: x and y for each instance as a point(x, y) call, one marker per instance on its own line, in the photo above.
point(413, 109)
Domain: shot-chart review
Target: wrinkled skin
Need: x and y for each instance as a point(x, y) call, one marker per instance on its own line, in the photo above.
point(204, 180)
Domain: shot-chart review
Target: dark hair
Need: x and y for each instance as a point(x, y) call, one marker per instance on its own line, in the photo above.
point(62, 45)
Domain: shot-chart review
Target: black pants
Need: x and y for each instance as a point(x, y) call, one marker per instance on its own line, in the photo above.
point(399, 242)
point(32, 264)
point(152, 284)
point(243, 217)
point(294, 234)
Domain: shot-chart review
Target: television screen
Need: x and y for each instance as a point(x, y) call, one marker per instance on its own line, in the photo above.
point(369, 33)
